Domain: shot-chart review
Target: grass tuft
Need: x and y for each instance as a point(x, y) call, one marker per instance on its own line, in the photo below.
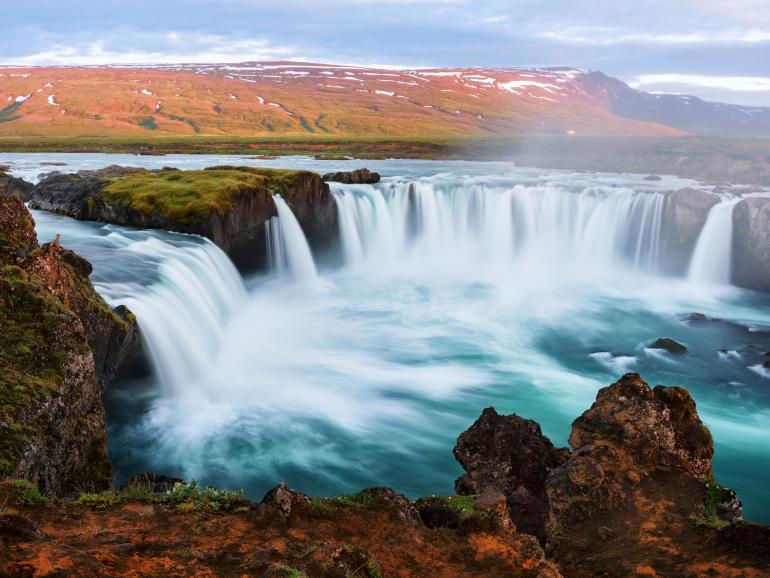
point(28, 495)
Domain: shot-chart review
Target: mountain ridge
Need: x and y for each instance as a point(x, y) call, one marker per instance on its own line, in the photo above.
point(319, 100)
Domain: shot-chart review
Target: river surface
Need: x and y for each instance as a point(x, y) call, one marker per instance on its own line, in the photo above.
point(462, 285)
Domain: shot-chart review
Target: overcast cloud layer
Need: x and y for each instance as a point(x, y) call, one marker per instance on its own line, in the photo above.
point(715, 49)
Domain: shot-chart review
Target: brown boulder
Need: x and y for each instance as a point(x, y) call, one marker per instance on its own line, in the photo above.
point(633, 483)
point(286, 500)
point(357, 177)
point(14, 187)
point(509, 454)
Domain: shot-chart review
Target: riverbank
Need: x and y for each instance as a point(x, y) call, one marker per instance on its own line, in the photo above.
point(736, 161)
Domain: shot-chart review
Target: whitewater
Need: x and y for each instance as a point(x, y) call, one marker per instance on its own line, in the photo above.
point(457, 286)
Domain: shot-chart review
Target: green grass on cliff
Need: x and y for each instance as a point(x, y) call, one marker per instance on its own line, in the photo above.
point(191, 196)
point(32, 357)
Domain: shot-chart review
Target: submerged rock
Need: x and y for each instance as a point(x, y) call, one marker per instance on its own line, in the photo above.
point(357, 177)
point(667, 344)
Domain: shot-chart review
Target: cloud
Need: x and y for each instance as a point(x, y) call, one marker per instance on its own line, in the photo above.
point(603, 36)
point(731, 83)
point(174, 48)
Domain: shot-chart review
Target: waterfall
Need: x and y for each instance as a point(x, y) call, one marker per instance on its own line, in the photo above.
point(288, 250)
point(711, 261)
point(183, 313)
point(598, 227)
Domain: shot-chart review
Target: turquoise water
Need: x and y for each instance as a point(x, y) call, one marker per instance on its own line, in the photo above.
point(367, 374)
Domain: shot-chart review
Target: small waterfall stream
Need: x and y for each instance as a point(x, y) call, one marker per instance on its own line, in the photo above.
point(711, 262)
point(183, 314)
point(288, 249)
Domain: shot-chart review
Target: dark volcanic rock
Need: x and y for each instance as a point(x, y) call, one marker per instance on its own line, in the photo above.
point(314, 206)
point(155, 483)
point(357, 177)
point(14, 187)
point(436, 513)
point(751, 246)
point(286, 500)
point(59, 343)
point(684, 216)
point(509, 454)
point(669, 345)
point(631, 448)
point(396, 503)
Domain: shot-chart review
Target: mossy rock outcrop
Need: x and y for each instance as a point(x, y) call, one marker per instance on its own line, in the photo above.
point(227, 204)
point(60, 343)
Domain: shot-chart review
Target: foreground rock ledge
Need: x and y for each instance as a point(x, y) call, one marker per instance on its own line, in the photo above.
point(60, 344)
point(633, 497)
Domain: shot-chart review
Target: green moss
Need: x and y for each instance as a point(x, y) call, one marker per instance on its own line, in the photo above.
point(28, 494)
point(713, 495)
point(191, 498)
point(101, 501)
point(35, 339)
point(362, 500)
point(323, 507)
point(464, 505)
point(189, 196)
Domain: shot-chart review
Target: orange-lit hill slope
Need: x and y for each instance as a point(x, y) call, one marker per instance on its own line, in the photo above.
point(300, 99)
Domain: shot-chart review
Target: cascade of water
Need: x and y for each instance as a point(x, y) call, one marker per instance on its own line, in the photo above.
point(598, 227)
point(287, 246)
point(711, 261)
point(183, 314)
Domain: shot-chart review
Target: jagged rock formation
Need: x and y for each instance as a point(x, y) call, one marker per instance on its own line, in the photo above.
point(509, 454)
point(14, 187)
point(356, 177)
point(59, 343)
point(229, 205)
point(751, 249)
point(636, 495)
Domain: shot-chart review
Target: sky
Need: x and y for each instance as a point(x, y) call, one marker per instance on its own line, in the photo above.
point(716, 49)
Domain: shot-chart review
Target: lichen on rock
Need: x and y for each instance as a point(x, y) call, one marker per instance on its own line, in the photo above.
point(59, 344)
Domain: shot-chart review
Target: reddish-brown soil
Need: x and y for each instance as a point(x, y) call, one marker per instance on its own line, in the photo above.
point(144, 539)
point(310, 100)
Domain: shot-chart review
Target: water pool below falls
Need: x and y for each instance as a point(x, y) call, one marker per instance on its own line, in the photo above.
point(523, 289)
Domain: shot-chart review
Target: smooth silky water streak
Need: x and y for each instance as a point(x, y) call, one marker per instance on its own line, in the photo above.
point(711, 262)
point(468, 221)
point(182, 316)
point(287, 246)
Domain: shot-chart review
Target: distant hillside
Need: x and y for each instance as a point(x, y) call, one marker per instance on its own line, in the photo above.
point(688, 113)
point(300, 99)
